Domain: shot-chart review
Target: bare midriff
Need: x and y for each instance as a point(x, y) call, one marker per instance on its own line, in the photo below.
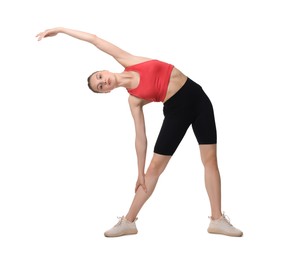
point(177, 80)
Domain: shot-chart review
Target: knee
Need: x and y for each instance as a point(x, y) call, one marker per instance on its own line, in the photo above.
point(210, 162)
point(156, 168)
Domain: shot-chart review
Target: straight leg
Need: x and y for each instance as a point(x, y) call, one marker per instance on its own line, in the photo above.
point(212, 178)
point(156, 167)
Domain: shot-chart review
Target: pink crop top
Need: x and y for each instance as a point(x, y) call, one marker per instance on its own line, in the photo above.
point(154, 80)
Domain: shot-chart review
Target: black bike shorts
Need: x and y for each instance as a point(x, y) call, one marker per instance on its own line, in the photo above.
point(189, 106)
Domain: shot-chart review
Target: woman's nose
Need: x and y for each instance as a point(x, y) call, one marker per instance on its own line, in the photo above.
point(103, 82)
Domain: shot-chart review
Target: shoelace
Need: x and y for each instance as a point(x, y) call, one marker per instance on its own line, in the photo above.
point(226, 218)
point(120, 221)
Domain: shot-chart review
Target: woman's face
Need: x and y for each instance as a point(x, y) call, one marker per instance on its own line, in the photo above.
point(103, 81)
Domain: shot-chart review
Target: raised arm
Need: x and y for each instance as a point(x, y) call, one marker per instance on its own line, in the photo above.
point(121, 56)
point(136, 106)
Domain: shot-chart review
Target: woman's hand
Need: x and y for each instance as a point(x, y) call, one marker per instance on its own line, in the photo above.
point(48, 33)
point(141, 182)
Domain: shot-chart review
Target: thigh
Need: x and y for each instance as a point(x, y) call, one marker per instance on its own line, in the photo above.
point(204, 125)
point(159, 162)
point(171, 134)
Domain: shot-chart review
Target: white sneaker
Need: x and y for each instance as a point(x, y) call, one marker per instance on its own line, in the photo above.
point(122, 228)
point(222, 226)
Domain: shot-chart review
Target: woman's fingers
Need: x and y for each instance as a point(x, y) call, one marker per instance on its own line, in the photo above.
point(40, 36)
point(47, 33)
point(144, 187)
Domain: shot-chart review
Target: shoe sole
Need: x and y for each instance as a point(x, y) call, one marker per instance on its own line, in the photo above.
point(225, 234)
point(122, 234)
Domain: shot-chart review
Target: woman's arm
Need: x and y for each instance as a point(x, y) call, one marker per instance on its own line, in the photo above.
point(121, 56)
point(136, 106)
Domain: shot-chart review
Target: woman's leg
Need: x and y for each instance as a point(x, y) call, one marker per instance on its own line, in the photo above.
point(212, 178)
point(156, 167)
point(219, 223)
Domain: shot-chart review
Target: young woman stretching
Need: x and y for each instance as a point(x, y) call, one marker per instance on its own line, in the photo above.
point(184, 104)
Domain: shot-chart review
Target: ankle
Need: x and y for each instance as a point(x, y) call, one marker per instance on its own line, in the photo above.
point(216, 216)
point(129, 219)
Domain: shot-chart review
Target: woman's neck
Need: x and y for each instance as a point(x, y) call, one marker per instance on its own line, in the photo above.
point(126, 79)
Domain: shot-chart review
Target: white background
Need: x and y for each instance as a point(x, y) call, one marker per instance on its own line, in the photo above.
point(67, 159)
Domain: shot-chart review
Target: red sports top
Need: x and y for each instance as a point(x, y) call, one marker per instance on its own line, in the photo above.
point(154, 80)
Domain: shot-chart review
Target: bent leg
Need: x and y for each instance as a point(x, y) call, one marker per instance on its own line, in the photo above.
point(156, 167)
point(212, 177)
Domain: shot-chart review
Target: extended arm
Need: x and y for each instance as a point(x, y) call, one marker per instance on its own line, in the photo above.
point(136, 106)
point(121, 56)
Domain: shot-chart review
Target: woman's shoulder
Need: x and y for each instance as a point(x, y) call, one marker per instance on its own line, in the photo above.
point(136, 61)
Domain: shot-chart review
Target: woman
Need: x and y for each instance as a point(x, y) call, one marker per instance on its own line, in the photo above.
point(185, 103)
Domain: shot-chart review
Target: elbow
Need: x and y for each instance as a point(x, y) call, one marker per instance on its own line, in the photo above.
point(94, 39)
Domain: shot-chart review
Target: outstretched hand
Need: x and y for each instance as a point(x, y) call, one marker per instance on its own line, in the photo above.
point(47, 33)
point(141, 183)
